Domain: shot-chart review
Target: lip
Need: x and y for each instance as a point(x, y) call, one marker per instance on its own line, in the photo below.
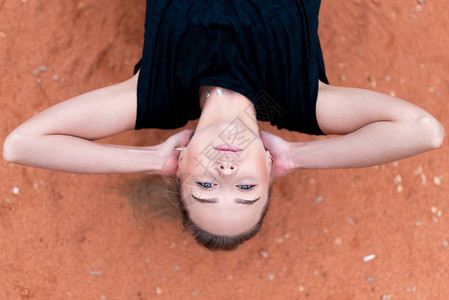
point(228, 148)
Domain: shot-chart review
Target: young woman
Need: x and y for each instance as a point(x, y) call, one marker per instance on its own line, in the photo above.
point(230, 64)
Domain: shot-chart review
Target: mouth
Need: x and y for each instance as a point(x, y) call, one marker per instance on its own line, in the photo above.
point(228, 148)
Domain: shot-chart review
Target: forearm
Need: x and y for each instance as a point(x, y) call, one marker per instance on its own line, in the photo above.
point(375, 143)
point(76, 155)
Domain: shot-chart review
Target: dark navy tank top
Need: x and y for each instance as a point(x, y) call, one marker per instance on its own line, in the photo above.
point(267, 50)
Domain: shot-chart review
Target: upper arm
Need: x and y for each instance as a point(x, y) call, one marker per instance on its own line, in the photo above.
point(341, 110)
point(93, 115)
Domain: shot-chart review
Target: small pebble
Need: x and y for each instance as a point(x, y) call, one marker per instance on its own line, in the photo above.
point(158, 290)
point(301, 288)
point(2, 34)
point(95, 273)
point(437, 180)
point(15, 190)
point(195, 293)
point(371, 279)
point(386, 297)
point(387, 78)
point(445, 243)
point(418, 171)
point(423, 179)
point(369, 257)
point(338, 241)
point(435, 219)
point(399, 188)
point(421, 1)
point(286, 235)
point(318, 199)
point(42, 69)
point(55, 77)
point(176, 267)
point(433, 209)
point(351, 221)
point(263, 254)
point(397, 179)
point(102, 297)
point(270, 276)
point(418, 223)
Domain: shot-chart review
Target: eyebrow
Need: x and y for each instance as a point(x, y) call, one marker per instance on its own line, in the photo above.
point(215, 200)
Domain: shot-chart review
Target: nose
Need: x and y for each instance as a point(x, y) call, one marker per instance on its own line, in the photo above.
point(226, 167)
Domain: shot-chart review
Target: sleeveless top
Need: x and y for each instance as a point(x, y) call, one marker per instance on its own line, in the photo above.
point(267, 50)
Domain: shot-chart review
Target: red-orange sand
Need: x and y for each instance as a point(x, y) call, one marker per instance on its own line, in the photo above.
point(66, 236)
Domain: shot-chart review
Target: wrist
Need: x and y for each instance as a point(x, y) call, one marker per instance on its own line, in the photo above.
point(296, 157)
point(154, 160)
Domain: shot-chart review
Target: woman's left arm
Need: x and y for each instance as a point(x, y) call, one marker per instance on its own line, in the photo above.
point(375, 128)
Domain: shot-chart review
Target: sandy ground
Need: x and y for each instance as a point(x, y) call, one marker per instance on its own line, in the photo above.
point(67, 236)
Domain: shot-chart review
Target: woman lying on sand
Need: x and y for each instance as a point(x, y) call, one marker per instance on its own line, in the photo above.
point(230, 64)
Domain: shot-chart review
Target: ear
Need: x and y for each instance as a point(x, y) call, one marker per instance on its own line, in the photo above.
point(269, 155)
point(180, 157)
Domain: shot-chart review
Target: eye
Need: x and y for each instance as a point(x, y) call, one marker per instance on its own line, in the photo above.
point(247, 186)
point(205, 185)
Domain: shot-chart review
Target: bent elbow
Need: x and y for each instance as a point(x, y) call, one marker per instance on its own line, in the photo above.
point(433, 130)
point(10, 148)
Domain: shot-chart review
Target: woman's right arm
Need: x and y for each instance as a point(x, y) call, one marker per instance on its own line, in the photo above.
point(61, 137)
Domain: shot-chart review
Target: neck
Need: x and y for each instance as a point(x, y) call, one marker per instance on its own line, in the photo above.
point(225, 109)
